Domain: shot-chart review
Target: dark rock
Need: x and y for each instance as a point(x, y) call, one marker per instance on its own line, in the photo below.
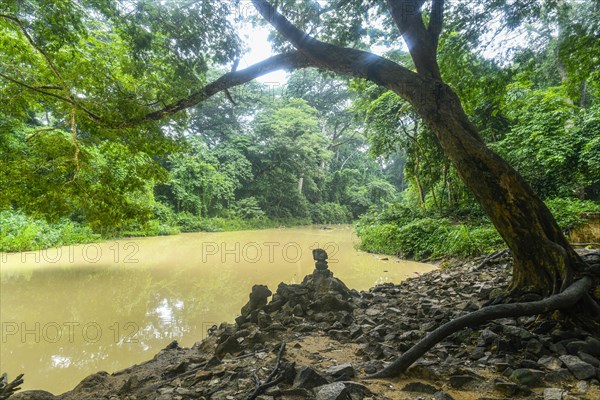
point(341, 371)
point(545, 327)
point(593, 346)
point(477, 353)
point(372, 367)
point(331, 302)
point(420, 387)
point(487, 337)
point(577, 346)
point(213, 362)
point(357, 390)
point(580, 369)
point(172, 346)
point(460, 381)
point(33, 395)
point(332, 391)
point(558, 348)
point(558, 376)
point(228, 346)
point(535, 347)
point(258, 299)
point(320, 256)
point(92, 381)
point(585, 357)
point(517, 333)
point(528, 377)
point(501, 366)
point(263, 319)
point(501, 346)
point(529, 364)
point(507, 388)
point(308, 378)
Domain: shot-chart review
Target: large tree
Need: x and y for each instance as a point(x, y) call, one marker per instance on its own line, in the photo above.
point(73, 48)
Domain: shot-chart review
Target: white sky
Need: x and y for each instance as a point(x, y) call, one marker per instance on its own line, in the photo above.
point(260, 49)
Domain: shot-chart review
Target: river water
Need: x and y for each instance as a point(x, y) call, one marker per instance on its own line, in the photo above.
point(69, 312)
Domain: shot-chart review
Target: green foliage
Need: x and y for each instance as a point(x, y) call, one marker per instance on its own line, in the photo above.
point(569, 211)
point(19, 232)
point(428, 238)
point(543, 144)
point(330, 213)
point(75, 74)
point(248, 208)
point(416, 233)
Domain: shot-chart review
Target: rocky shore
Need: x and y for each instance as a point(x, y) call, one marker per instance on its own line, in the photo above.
point(317, 339)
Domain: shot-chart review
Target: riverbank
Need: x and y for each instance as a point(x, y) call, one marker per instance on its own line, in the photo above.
point(422, 234)
point(25, 233)
point(335, 336)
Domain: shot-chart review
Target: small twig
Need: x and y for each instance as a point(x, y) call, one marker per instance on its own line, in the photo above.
point(228, 95)
point(273, 379)
point(491, 257)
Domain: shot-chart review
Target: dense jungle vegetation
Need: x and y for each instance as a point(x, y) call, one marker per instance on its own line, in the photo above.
point(82, 158)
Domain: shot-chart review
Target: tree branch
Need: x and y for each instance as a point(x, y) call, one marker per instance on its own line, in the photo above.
point(361, 64)
point(231, 79)
point(21, 27)
point(436, 20)
point(405, 13)
point(421, 42)
point(57, 96)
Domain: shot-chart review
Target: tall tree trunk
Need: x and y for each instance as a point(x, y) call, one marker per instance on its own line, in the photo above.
point(543, 260)
point(300, 182)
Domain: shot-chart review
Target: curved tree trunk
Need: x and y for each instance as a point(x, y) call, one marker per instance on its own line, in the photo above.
point(544, 262)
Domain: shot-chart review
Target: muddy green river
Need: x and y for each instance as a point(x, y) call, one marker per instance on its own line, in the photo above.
point(68, 312)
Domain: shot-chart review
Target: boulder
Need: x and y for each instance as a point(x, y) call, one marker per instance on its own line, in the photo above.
point(308, 378)
point(580, 369)
point(341, 371)
point(332, 391)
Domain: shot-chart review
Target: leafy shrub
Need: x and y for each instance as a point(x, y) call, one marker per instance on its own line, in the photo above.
point(19, 232)
point(428, 237)
point(330, 213)
point(248, 208)
point(189, 222)
point(568, 211)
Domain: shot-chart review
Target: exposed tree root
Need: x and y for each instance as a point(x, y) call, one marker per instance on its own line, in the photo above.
point(7, 389)
point(566, 299)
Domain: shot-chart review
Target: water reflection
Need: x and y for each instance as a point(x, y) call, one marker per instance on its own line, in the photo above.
point(71, 312)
